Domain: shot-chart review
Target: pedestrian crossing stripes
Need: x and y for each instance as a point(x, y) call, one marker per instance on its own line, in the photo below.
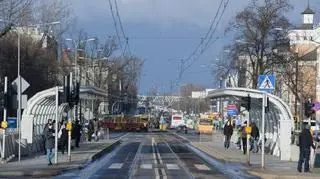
point(116, 166)
point(201, 167)
point(172, 167)
point(146, 166)
point(168, 166)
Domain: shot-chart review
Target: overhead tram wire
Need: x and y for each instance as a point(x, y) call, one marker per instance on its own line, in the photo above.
point(116, 27)
point(210, 38)
point(192, 55)
point(208, 32)
point(122, 29)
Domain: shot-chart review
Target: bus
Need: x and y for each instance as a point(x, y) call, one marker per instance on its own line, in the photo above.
point(176, 120)
point(204, 125)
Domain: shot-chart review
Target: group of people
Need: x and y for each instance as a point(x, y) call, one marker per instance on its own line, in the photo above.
point(306, 141)
point(242, 136)
point(76, 131)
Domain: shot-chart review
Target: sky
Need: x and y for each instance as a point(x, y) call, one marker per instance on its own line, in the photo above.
point(162, 32)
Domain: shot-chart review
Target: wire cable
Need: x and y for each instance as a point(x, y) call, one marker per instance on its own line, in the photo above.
point(116, 27)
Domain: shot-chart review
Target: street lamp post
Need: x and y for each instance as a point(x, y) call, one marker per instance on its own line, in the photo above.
point(19, 86)
point(77, 78)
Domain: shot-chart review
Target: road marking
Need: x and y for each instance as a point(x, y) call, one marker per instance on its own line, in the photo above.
point(172, 167)
point(164, 175)
point(156, 171)
point(146, 166)
point(201, 167)
point(116, 166)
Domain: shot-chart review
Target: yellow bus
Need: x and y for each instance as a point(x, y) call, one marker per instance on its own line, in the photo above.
point(204, 125)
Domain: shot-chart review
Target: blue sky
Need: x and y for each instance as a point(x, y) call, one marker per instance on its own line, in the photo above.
point(164, 31)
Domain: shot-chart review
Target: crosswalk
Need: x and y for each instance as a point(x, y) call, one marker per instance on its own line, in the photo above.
point(170, 166)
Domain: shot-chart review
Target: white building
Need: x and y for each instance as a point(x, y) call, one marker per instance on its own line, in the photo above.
point(305, 41)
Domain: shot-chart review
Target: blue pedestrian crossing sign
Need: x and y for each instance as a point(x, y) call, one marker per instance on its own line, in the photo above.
point(266, 83)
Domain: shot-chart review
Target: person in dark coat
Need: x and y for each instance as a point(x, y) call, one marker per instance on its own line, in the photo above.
point(63, 137)
point(227, 131)
point(49, 142)
point(244, 138)
point(76, 133)
point(43, 136)
point(305, 142)
point(255, 134)
point(90, 130)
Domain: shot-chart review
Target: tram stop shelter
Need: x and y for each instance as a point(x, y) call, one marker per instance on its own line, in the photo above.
point(41, 107)
point(278, 120)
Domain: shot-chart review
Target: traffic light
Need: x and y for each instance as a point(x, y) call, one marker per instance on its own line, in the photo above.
point(246, 102)
point(76, 93)
point(308, 109)
point(66, 89)
point(268, 104)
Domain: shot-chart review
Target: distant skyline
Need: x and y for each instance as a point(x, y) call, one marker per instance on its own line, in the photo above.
point(164, 31)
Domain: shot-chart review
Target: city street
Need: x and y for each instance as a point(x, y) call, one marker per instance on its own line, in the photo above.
point(142, 155)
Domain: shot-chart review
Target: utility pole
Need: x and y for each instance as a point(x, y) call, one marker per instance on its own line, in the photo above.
point(296, 87)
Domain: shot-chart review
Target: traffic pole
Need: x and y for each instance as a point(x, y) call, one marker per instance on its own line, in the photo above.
point(56, 127)
point(69, 126)
point(248, 140)
point(4, 126)
point(264, 104)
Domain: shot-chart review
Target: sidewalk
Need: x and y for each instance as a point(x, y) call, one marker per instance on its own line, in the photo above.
point(274, 167)
point(38, 166)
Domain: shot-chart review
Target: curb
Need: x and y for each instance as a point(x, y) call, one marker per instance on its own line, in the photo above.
point(50, 172)
point(104, 151)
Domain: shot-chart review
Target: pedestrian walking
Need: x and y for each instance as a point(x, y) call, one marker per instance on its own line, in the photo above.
point(90, 130)
point(43, 135)
point(49, 142)
point(76, 131)
point(227, 131)
point(255, 137)
point(305, 142)
point(244, 138)
point(96, 127)
point(63, 136)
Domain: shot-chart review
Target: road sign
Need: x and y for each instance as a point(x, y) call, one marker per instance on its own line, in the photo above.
point(24, 84)
point(316, 106)
point(266, 83)
point(12, 122)
point(232, 110)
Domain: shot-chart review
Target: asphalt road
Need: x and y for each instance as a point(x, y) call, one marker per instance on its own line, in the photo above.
point(148, 155)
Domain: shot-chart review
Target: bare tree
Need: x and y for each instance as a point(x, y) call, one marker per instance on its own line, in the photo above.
point(14, 12)
point(257, 38)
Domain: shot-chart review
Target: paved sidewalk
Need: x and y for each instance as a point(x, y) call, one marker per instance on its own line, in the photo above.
point(38, 166)
point(274, 167)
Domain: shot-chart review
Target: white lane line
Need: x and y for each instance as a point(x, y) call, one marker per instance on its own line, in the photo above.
point(156, 170)
point(158, 154)
point(146, 166)
point(171, 166)
point(201, 167)
point(116, 166)
point(153, 152)
point(164, 175)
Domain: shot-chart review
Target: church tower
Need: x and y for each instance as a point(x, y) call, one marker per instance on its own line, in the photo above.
point(307, 17)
